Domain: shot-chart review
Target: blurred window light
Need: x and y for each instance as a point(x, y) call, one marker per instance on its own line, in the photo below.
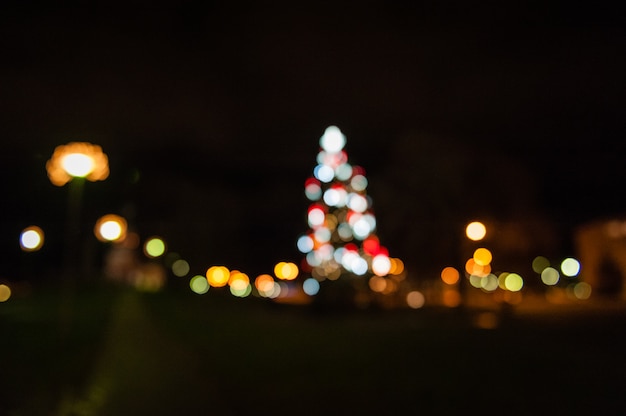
point(333, 140)
point(570, 267)
point(154, 247)
point(475, 231)
point(31, 238)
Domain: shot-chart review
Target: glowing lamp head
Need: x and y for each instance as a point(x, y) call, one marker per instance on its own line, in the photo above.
point(77, 160)
point(110, 227)
point(78, 164)
point(31, 238)
point(476, 231)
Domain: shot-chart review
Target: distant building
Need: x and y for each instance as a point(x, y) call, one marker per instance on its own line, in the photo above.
point(601, 247)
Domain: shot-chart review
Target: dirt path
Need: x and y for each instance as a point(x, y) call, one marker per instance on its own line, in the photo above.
point(142, 370)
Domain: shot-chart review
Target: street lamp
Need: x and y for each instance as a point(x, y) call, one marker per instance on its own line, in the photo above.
point(74, 163)
point(77, 160)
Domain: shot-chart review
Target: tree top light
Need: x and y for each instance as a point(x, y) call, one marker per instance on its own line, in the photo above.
point(77, 160)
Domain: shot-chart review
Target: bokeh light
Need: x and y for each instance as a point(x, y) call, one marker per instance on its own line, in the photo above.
point(218, 276)
point(513, 282)
point(239, 284)
point(570, 267)
point(482, 256)
point(311, 286)
point(77, 159)
point(450, 275)
point(5, 292)
point(381, 265)
point(415, 299)
point(540, 263)
point(550, 276)
point(180, 268)
point(199, 284)
point(266, 286)
point(582, 290)
point(31, 238)
point(476, 231)
point(154, 247)
point(332, 140)
point(110, 227)
point(286, 270)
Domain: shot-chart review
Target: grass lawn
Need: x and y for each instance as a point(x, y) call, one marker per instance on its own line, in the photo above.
point(175, 352)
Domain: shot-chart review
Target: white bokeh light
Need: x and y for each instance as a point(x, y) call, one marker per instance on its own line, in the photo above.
point(333, 140)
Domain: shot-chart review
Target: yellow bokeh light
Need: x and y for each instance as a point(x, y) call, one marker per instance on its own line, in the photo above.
point(218, 276)
point(450, 275)
point(513, 282)
point(110, 227)
point(286, 270)
point(5, 293)
point(482, 256)
point(570, 267)
point(77, 159)
point(475, 231)
point(31, 238)
point(154, 247)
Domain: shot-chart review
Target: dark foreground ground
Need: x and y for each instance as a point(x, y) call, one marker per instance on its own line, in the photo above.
point(121, 352)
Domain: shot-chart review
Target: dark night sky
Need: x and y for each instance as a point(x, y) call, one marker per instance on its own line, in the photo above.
point(217, 107)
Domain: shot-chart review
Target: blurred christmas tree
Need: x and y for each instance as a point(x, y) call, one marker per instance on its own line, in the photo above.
point(342, 252)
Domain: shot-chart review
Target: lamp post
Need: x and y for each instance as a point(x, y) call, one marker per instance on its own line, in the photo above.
point(72, 164)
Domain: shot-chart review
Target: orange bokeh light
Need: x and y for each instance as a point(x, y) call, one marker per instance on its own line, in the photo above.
point(218, 276)
point(57, 166)
point(450, 275)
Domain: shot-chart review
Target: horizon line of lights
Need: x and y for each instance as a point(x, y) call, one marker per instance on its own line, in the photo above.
point(335, 186)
